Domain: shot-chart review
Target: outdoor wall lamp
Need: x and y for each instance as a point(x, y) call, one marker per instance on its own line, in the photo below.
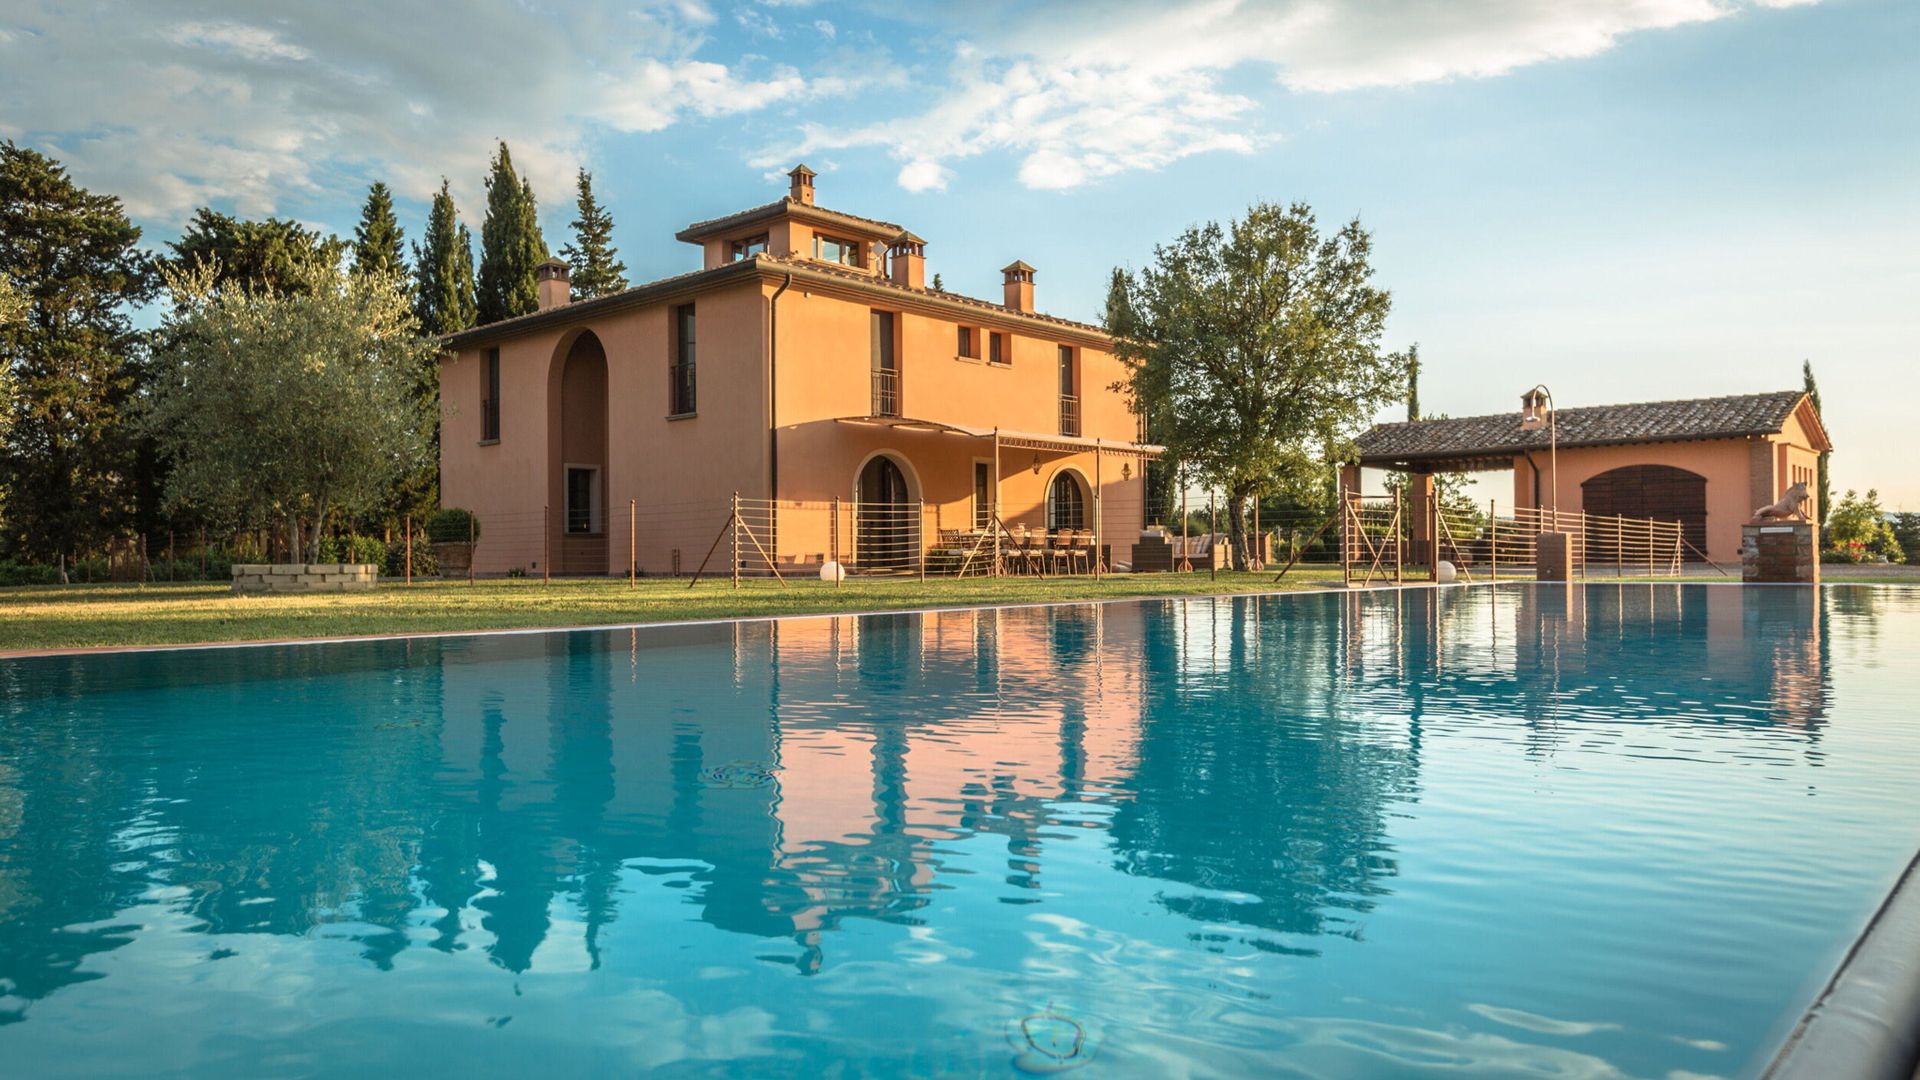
point(1536, 409)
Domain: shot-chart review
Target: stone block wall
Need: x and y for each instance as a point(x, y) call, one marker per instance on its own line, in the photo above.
point(1780, 551)
point(303, 577)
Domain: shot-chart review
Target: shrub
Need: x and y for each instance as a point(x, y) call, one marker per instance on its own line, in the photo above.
point(424, 562)
point(18, 573)
point(450, 526)
point(351, 549)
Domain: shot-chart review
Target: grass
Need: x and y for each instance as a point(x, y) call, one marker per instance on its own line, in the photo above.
point(82, 616)
point(87, 616)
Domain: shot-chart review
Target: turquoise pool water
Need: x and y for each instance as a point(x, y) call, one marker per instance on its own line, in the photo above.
point(1612, 830)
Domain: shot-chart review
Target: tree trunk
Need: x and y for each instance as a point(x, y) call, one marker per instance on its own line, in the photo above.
point(319, 524)
point(293, 538)
point(1237, 526)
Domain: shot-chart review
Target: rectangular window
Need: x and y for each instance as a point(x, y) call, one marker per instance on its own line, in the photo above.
point(681, 376)
point(982, 495)
point(490, 405)
point(886, 366)
point(751, 246)
point(969, 345)
point(583, 512)
point(999, 349)
point(1069, 401)
point(835, 250)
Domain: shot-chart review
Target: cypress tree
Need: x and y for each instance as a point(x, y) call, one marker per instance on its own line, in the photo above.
point(378, 244)
point(443, 288)
point(1826, 487)
point(510, 245)
point(937, 287)
point(1413, 381)
point(595, 269)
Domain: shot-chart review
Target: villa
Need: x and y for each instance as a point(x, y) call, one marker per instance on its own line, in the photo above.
point(807, 367)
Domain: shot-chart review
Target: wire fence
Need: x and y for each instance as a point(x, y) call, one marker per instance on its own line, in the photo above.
point(1368, 539)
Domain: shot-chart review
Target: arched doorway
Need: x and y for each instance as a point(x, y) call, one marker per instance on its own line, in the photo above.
point(883, 516)
point(578, 495)
point(1660, 492)
point(1066, 502)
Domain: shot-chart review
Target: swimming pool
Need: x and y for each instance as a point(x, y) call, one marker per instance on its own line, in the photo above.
point(1595, 831)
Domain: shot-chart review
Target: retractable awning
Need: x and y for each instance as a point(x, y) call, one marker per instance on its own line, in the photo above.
point(1023, 440)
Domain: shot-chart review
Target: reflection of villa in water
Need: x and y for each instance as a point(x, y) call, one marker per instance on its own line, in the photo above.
point(782, 778)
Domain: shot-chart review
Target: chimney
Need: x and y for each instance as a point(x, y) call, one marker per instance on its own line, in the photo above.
point(909, 266)
point(551, 278)
point(802, 191)
point(1019, 286)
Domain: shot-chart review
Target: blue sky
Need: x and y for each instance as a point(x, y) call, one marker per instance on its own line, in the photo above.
point(1627, 199)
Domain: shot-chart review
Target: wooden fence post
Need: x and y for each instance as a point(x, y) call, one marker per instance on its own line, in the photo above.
point(633, 542)
point(833, 543)
point(1493, 539)
point(734, 546)
point(470, 525)
point(546, 545)
point(1213, 538)
point(407, 525)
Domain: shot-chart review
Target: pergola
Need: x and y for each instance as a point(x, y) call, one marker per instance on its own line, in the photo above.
point(1004, 439)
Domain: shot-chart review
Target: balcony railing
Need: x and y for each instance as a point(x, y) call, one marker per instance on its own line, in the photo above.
point(1069, 414)
point(886, 392)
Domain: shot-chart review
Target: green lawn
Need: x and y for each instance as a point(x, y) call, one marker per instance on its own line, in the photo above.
point(56, 617)
point(82, 616)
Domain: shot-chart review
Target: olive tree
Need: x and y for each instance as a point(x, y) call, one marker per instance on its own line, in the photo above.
point(287, 404)
point(1256, 346)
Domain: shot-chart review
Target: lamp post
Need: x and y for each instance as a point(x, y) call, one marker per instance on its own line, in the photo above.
point(1536, 408)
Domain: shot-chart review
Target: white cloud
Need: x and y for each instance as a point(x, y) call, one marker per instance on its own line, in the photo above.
point(284, 100)
point(1083, 90)
point(826, 28)
point(924, 176)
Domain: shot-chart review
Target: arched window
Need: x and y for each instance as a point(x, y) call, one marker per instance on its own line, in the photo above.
point(1066, 503)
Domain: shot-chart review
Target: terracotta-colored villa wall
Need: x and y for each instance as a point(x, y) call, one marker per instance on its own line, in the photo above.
point(1741, 474)
point(657, 461)
point(824, 372)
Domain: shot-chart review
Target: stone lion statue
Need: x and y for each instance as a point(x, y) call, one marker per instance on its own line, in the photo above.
point(1788, 508)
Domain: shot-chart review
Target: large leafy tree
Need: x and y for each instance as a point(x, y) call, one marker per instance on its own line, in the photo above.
point(13, 308)
point(595, 268)
point(511, 246)
point(1120, 321)
point(271, 254)
point(443, 265)
point(287, 404)
point(1258, 345)
point(379, 245)
point(1824, 484)
point(71, 258)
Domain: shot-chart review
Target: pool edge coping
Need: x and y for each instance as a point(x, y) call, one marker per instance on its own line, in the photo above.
point(340, 639)
point(1865, 1022)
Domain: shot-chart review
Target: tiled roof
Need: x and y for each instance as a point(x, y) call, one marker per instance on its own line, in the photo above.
point(644, 293)
point(784, 205)
point(863, 278)
point(638, 294)
point(1500, 435)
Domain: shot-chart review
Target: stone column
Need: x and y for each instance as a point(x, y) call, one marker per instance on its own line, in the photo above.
point(1780, 551)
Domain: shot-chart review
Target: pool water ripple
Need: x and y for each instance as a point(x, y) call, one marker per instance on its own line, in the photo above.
point(1607, 830)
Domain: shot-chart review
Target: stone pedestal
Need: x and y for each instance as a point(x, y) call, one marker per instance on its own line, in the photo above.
point(1553, 557)
point(1787, 551)
point(303, 577)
